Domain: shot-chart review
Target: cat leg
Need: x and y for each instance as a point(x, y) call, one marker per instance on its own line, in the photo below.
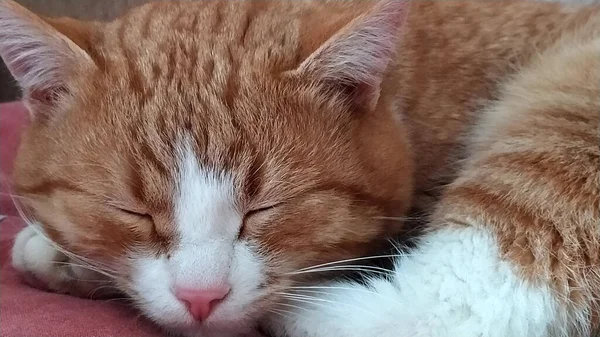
point(454, 284)
point(43, 265)
point(341, 309)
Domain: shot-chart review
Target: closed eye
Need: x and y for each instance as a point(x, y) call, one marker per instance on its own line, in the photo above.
point(261, 209)
point(255, 212)
point(133, 213)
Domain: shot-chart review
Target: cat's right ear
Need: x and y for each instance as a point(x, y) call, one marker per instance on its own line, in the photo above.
point(40, 58)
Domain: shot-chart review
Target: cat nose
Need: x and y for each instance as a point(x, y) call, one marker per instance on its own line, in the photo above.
point(201, 302)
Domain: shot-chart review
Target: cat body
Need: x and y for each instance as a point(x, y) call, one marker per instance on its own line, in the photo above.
point(513, 248)
point(201, 156)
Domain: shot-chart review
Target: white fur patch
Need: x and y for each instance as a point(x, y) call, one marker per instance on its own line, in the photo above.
point(43, 264)
point(207, 254)
point(32, 253)
point(454, 284)
point(207, 223)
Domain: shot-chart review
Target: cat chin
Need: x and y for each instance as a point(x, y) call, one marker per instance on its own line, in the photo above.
point(231, 320)
point(235, 326)
point(217, 331)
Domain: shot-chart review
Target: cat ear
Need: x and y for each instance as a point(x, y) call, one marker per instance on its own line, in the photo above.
point(39, 57)
point(356, 58)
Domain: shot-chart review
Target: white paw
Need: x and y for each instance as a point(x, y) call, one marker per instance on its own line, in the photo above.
point(42, 265)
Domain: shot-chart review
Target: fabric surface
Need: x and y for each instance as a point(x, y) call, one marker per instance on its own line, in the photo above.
point(28, 312)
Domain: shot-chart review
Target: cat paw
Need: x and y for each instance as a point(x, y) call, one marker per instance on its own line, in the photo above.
point(43, 266)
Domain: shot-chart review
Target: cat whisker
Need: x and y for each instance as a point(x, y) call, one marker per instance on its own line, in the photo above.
point(118, 299)
point(293, 306)
point(395, 244)
point(348, 260)
point(90, 264)
point(91, 295)
point(321, 290)
point(284, 313)
point(12, 195)
point(81, 265)
point(397, 218)
point(316, 288)
point(362, 268)
point(324, 303)
point(286, 294)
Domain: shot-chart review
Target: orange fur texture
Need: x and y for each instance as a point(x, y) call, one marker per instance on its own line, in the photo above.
point(340, 159)
point(534, 176)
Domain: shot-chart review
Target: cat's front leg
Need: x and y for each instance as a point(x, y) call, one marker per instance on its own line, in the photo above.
point(43, 265)
point(455, 284)
point(341, 309)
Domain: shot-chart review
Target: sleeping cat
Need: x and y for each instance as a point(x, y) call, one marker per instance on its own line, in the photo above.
point(201, 157)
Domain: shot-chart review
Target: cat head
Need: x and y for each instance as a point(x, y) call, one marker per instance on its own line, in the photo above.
point(204, 153)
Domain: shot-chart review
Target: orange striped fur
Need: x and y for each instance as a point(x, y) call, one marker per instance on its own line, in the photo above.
point(335, 154)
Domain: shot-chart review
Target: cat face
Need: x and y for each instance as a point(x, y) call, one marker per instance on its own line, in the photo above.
point(200, 171)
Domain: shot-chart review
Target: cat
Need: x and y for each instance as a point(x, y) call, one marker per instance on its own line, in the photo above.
point(513, 248)
point(203, 157)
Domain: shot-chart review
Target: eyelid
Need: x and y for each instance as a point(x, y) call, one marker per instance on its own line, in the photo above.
point(129, 210)
point(265, 207)
point(254, 211)
point(260, 209)
point(132, 212)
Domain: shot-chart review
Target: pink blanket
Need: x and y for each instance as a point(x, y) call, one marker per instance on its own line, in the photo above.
point(28, 312)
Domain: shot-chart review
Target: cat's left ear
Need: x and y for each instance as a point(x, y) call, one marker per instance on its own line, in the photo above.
point(40, 57)
point(355, 60)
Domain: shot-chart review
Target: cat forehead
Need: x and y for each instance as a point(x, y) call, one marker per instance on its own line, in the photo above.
point(206, 39)
point(221, 62)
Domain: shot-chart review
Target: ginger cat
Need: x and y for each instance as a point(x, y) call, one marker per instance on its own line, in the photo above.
point(201, 157)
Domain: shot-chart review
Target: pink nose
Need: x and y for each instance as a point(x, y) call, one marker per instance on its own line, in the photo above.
point(201, 302)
